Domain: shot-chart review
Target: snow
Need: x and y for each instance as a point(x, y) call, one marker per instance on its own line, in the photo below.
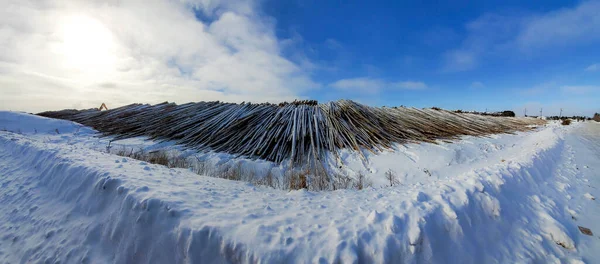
point(505, 198)
point(421, 163)
point(23, 123)
point(581, 176)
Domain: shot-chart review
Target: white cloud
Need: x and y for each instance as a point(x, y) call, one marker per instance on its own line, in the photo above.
point(561, 27)
point(579, 89)
point(459, 60)
point(552, 88)
point(539, 89)
point(410, 85)
point(485, 34)
point(374, 86)
point(61, 54)
point(362, 85)
point(333, 44)
point(501, 34)
point(477, 85)
point(594, 67)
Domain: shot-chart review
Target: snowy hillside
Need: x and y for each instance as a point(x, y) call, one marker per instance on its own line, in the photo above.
point(506, 198)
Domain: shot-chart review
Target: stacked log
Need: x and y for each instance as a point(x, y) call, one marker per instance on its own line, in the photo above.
point(301, 132)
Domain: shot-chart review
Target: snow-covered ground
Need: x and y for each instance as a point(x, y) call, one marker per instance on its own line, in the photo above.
point(505, 198)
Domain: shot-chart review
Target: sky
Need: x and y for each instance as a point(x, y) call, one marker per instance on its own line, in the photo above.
point(469, 55)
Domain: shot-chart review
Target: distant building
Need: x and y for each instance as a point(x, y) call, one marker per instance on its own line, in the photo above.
point(596, 117)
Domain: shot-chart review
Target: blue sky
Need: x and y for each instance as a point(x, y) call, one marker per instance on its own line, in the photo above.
point(423, 41)
point(470, 55)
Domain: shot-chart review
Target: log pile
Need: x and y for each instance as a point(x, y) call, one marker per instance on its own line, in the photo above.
point(301, 132)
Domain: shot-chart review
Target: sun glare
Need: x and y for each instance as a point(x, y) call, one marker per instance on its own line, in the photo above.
point(87, 44)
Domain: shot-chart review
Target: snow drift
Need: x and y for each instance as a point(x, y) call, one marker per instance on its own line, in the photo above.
point(64, 202)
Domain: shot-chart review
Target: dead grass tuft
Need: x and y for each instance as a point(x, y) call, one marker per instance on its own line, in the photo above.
point(297, 179)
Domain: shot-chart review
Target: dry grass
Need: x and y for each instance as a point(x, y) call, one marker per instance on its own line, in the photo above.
point(268, 180)
point(293, 179)
point(566, 122)
point(297, 179)
point(158, 157)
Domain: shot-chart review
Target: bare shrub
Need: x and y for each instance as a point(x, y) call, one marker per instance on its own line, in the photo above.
point(362, 181)
point(392, 178)
point(341, 181)
point(566, 122)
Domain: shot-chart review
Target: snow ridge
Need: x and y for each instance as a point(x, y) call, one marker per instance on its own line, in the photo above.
point(98, 218)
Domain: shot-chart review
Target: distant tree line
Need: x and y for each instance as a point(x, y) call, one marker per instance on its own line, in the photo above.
point(501, 113)
point(577, 118)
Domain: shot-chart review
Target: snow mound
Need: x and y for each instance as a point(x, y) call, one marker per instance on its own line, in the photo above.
point(66, 203)
point(24, 123)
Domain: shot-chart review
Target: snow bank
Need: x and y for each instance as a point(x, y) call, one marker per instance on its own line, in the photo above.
point(72, 208)
point(24, 123)
point(421, 163)
point(64, 202)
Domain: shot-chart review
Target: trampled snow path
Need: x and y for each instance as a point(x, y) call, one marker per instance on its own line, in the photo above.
point(583, 156)
point(64, 202)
